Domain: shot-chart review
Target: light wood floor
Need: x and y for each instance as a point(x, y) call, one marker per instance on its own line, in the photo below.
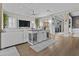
point(65, 46)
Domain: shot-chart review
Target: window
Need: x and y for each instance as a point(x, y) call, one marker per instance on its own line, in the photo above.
point(12, 23)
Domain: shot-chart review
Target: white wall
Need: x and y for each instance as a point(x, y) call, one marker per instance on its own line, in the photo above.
point(13, 19)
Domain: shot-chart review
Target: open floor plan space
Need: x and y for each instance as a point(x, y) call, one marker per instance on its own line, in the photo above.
point(39, 29)
point(67, 47)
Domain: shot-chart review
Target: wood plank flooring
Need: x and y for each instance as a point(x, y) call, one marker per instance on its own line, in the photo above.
point(65, 46)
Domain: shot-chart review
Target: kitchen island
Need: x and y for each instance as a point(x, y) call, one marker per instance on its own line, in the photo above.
point(36, 36)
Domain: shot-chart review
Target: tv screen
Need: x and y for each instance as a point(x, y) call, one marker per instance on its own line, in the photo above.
point(23, 23)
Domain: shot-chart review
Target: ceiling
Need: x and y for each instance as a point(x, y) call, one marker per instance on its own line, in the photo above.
point(39, 9)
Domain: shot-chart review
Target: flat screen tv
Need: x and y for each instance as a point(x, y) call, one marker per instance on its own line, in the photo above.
point(23, 23)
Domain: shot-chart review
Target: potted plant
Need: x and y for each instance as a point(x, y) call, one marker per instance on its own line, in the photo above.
point(5, 20)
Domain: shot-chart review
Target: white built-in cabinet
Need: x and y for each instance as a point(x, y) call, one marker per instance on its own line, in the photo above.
point(13, 38)
point(36, 36)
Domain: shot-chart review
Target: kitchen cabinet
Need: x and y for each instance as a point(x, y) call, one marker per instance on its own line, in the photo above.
point(36, 36)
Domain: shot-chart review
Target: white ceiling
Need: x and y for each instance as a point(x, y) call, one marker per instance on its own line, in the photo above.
point(40, 9)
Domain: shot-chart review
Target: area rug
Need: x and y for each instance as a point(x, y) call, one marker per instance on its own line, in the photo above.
point(12, 51)
point(42, 45)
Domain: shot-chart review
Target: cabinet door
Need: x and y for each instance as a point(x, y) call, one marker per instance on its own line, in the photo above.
point(34, 38)
point(41, 36)
point(11, 38)
point(30, 39)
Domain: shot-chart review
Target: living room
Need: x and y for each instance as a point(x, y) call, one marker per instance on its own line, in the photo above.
point(38, 27)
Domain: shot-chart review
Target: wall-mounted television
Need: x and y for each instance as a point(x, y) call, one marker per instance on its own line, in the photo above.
point(24, 23)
